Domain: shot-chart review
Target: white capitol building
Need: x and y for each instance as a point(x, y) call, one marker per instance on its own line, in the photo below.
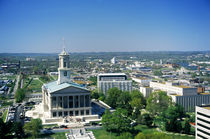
point(64, 101)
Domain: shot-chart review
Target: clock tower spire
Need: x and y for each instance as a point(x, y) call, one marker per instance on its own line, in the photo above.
point(64, 66)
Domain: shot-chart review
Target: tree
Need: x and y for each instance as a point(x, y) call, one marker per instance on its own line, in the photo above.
point(20, 95)
point(33, 127)
point(94, 94)
point(123, 101)
point(10, 130)
point(3, 129)
point(158, 102)
point(186, 126)
point(117, 122)
point(102, 97)
point(192, 118)
point(145, 119)
point(18, 130)
point(112, 96)
point(170, 119)
point(137, 102)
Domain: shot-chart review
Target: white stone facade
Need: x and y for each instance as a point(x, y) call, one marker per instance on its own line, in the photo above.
point(172, 89)
point(146, 91)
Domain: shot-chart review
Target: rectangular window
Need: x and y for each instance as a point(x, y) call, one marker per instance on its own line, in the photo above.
point(76, 98)
point(65, 113)
point(71, 113)
point(64, 64)
point(87, 112)
point(65, 103)
point(60, 114)
point(54, 114)
point(53, 102)
point(81, 101)
point(76, 113)
point(70, 101)
point(60, 103)
point(82, 112)
point(87, 101)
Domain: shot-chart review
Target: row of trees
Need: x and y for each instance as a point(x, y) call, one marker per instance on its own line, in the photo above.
point(156, 110)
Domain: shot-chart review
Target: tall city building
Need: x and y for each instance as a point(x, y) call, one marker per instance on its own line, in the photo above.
point(106, 81)
point(202, 122)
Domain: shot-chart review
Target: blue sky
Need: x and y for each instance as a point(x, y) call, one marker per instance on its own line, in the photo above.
point(104, 25)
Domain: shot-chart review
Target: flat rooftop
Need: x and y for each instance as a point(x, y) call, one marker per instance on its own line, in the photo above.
point(207, 106)
point(111, 74)
point(182, 86)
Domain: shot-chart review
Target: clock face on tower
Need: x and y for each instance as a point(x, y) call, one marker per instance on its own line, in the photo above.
point(63, 70)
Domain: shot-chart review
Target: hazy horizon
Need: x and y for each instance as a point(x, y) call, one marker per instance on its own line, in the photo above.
point(38, 26)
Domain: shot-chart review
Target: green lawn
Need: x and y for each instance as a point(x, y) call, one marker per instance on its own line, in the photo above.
point(49, 126)
point(5, 115)
point(55, 136)
point(35, 86)
point(103, 134)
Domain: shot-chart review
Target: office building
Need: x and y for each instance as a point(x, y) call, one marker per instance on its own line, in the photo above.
point(106, 81)
point(202, 122)
point(183, 95)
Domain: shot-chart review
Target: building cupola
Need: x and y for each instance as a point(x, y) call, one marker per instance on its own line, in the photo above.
point(64, 67)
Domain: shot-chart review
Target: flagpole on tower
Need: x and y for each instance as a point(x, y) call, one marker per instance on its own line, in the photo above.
point(64, 44)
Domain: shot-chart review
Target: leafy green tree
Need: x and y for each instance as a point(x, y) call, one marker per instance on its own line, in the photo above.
point(18, 130)
point(3, 129)
point(93, 79)
point(10, 130)
point(137, 102)
point(95, 94)
point(145, 119)
point(158, 102)
point(186, 126)
point(20, 95)
point(192, 118)
point(170, 119)
point(33, 127)
point(123, 101)
point(117, 122)
point(102, 97)
point(112, 97)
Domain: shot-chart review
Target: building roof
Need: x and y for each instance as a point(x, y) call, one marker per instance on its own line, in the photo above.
point(208, 108)
point(53, 86)
point(111, 74)
point(64, 52)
